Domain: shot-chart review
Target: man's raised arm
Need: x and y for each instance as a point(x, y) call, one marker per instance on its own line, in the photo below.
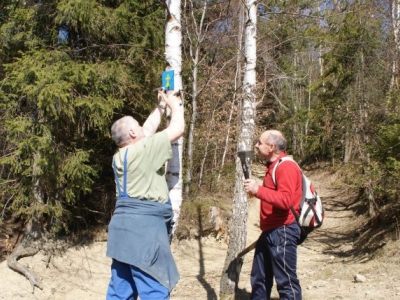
point(176, 125)
point(154, 119)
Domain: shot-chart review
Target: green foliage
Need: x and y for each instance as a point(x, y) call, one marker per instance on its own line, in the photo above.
point(388, 143)
point(389, 186)
point(58, 99)
point(350, 82)
point(325, 75)
point(386, 166)
point(58, 102)
point(109, 24)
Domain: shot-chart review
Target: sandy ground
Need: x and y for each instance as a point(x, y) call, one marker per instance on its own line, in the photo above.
point(327, 265)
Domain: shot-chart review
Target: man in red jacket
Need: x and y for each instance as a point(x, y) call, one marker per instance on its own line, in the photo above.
point(276, 249)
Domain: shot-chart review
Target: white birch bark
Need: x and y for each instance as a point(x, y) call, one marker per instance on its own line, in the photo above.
point(238, 228)
point(396, 35)
point(173, 56)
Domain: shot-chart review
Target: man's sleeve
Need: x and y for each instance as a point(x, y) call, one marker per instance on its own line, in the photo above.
point(160, 150)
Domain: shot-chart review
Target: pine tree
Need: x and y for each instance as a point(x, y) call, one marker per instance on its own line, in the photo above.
point(69, 68)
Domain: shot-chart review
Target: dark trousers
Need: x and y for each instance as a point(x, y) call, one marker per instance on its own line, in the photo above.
point(276, 257)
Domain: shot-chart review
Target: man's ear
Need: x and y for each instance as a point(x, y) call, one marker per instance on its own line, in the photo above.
point(132, 134)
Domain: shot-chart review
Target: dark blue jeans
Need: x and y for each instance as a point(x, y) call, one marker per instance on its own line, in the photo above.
point(276, 257)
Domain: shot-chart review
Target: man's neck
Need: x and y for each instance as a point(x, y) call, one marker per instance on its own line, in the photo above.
point(131, 142)
point(275, 156)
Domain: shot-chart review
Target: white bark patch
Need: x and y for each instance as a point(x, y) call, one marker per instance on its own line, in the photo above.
point(251, 43)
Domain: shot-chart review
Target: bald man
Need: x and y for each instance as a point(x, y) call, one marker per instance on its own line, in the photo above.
point(138, 234)
point(276, 249)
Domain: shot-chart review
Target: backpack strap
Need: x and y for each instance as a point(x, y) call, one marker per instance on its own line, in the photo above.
point(303, 196)
point(304, 233)
point(282, 159)
point(121, 193)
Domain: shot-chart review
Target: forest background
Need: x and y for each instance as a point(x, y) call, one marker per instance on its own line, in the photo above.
point(327, 76)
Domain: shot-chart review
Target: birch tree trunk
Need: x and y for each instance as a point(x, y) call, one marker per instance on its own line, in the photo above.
point(194, 50)
point(238, 228)
point(396, 26)
point(173, 56)
point(321, 66)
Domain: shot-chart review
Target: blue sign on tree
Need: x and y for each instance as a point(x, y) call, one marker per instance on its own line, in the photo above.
point(168, 80)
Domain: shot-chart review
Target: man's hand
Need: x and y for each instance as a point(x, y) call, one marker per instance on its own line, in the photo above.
point(154, 119)
point(251, 186)
point(161, 99)
point(172, 100)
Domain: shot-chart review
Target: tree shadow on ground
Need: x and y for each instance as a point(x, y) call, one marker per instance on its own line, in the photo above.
point(240, 294)
point(361, 237)
point(211, 294)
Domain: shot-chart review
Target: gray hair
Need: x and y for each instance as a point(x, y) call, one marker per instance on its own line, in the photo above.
point(120, 130)
point(276, 137)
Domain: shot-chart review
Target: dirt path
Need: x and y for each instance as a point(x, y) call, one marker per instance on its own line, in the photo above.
point(327, 264)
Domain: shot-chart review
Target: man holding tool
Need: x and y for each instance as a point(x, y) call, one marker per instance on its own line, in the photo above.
point(138, 241)
point(276, 249)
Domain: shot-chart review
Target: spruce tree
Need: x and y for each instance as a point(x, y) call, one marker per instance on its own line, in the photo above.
point(68, 69)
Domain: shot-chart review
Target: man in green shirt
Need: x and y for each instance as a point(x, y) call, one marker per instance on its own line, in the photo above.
point(138, 242)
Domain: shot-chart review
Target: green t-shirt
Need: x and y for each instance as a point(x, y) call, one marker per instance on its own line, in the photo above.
point(145, 167)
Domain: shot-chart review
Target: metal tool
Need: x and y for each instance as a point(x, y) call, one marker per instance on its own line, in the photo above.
point(245, 156)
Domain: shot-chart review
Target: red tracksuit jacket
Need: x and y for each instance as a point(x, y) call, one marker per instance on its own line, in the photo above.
point(276, 200)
